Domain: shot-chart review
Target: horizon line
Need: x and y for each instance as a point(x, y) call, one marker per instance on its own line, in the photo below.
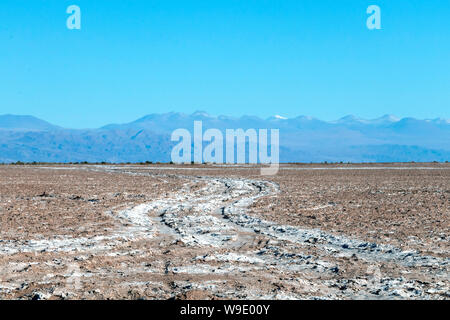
point(349, 117)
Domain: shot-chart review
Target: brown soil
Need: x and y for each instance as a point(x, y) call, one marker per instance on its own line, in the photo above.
point(189, 232)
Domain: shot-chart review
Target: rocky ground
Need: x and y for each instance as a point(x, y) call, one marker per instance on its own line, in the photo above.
point(225, 232)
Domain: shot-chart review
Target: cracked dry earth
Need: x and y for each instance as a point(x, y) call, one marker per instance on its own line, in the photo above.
point(225, 232)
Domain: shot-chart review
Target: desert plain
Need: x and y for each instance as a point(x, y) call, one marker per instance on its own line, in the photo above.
point(313, 231)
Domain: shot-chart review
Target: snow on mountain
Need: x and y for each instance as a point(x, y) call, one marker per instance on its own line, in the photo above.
point(277, 117)
point(303, 138)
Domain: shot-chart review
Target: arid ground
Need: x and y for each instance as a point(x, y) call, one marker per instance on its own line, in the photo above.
point(360, 231)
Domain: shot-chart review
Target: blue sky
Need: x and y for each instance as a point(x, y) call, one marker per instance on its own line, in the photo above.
point(234, 57)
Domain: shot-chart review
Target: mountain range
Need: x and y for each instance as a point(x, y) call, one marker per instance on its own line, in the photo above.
point(302, 139)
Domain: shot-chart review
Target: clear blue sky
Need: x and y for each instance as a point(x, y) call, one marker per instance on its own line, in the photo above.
point(233, 57)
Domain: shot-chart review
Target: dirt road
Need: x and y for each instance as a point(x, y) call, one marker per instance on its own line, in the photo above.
point(202, 241)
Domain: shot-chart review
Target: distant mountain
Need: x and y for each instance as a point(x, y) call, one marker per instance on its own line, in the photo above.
point(302, 139)
point(84, 145)
point(24, 123)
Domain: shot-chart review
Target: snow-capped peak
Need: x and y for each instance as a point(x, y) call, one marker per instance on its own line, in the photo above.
point(277, 117)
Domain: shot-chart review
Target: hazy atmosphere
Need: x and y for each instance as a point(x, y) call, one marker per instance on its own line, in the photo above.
point(225, 155)
point(262, 58)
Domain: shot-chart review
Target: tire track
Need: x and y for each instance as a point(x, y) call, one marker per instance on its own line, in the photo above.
point(214, 220)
